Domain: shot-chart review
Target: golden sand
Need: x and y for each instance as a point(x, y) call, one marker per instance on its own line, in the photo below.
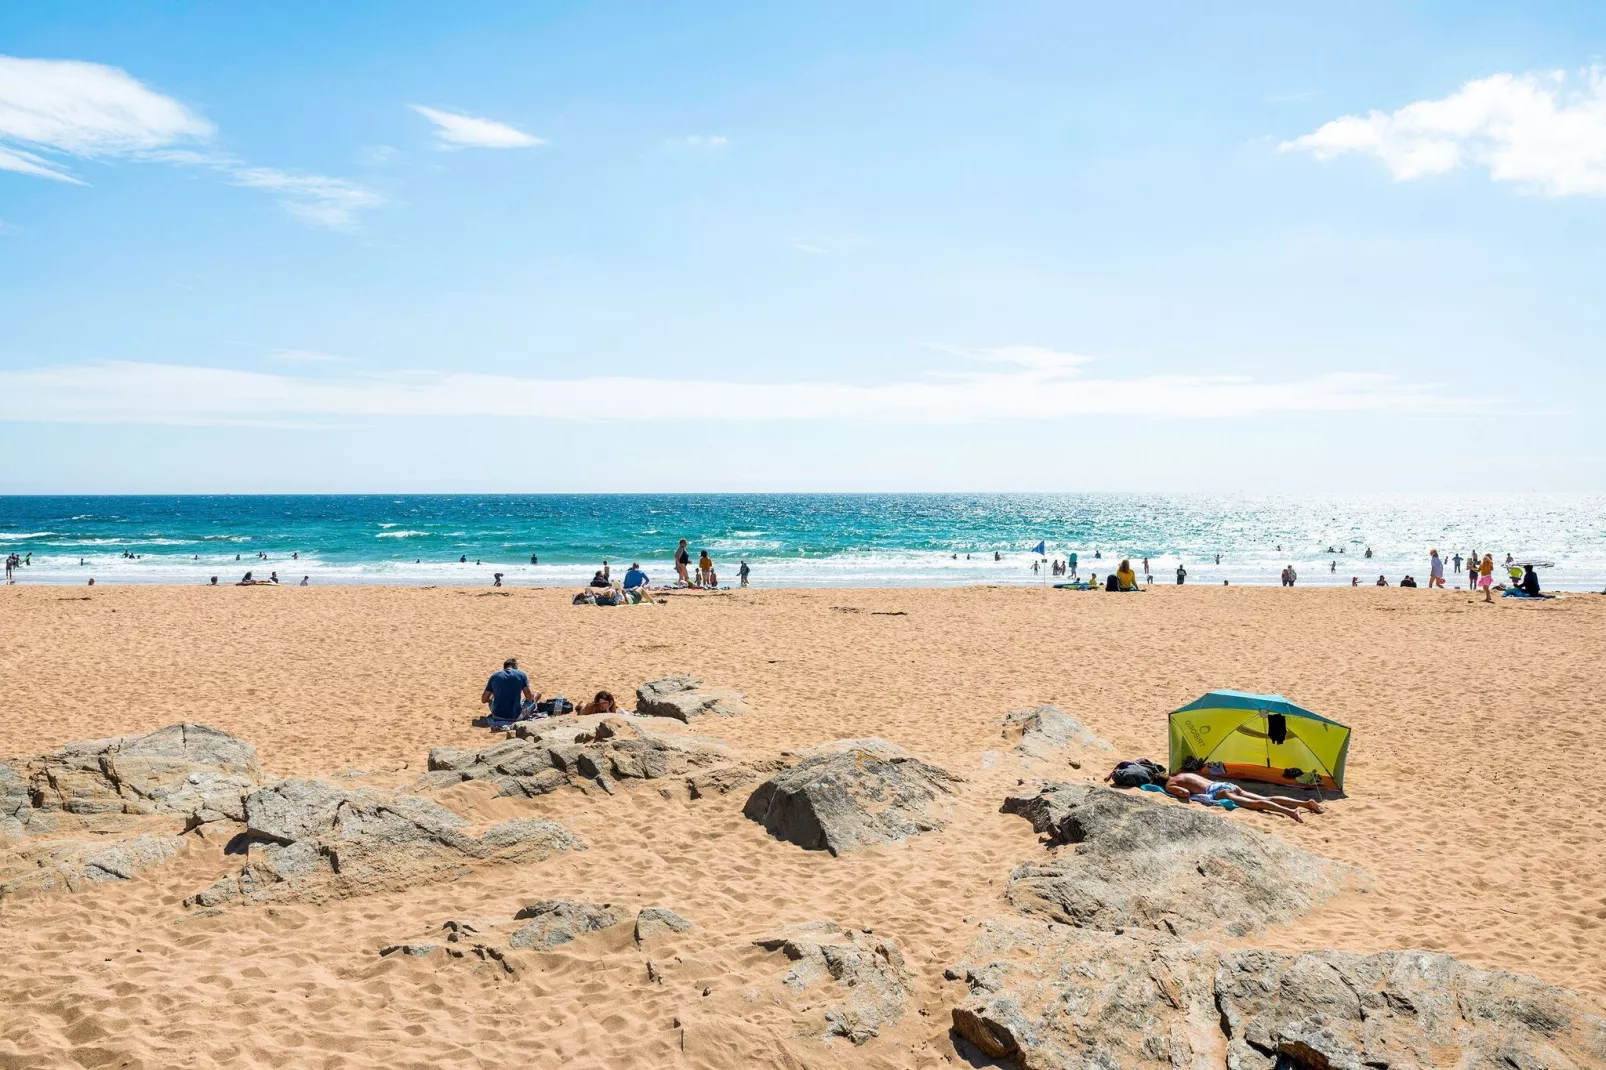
point(1480, 734)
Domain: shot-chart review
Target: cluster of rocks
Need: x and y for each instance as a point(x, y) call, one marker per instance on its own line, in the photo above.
point(1046, 995)
point(546, 925)
point(309, 840)
point(103, 810)
point(542, 756)
point(685, 696)
point(866, 973)
point(1112, 968)
point(849, 794)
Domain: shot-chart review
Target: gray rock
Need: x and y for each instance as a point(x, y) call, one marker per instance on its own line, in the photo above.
point(16, 804)
point(1048, 732)
point(554, 922)
point(657, 921)
point(1161, 865)
point(180, 769)
point(865, 974)
point(542, 756)
point(720, 781)
point(851, 793)
point(70, 864)
point(313, 841)
point(1044, 995)
point(684, 697)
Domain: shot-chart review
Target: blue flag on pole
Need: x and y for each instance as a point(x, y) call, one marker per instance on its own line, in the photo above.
point(1041, 548)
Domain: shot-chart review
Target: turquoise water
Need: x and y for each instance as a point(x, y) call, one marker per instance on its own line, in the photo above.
point(787, 539)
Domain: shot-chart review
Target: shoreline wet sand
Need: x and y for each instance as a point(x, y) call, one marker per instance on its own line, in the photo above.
point(1476, 730)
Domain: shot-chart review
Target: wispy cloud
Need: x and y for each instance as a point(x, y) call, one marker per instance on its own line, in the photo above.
point(456, 131)
point(1015, 383)
point(55, 111)
point(1530, 130)
point(700, 141)
point(805, 247)
point(69, 108)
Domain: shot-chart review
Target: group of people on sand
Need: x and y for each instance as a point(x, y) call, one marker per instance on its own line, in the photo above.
point(509, 699)
point(707, 578)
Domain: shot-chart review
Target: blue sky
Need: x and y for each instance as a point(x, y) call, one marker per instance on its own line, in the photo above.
point(985, 246)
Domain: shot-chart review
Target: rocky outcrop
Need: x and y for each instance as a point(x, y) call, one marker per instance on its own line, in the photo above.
point(553, 922)
point(852, 793)
point(1044, 995)
point(543, 755)
point(188, 769)
point(861, 976)
point(106, 809)
point(70, 864)
point(684, 697)
point(1048, 733)
point(657, 921)
point(1160, 865)
point(309, 840)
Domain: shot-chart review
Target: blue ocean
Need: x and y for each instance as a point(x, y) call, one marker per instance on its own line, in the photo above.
point(790, 539)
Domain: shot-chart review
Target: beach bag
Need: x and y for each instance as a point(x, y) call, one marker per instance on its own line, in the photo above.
point(554, 706)
point(1138, 773)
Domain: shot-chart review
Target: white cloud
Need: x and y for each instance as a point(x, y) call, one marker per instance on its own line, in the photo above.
point(454, 131)
point(805, 247)
point(51, 109)
point(87, 110)
point(1029, 384)
point(700, 141)
point(1531, 130)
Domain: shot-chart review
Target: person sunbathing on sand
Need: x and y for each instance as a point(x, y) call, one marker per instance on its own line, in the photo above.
point(1188, 783)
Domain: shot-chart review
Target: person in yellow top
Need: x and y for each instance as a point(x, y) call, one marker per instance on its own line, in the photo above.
point(705, 569)
point(1486, 576)
point(1125, 577)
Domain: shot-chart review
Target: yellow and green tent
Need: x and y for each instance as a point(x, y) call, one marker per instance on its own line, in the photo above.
point(1259, 737)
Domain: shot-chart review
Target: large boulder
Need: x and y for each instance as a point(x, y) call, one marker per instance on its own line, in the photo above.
point(70, 864)
point(543, 755)
point(188, 769)
point(312, 841)
point(684, 697)
point(850, 794)
point(860, 976)
point(1047, 996)
point(1047, 732)
point(1131, 862)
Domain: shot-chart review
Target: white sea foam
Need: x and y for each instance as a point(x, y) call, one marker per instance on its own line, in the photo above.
point(399, 534)
point(14, 536)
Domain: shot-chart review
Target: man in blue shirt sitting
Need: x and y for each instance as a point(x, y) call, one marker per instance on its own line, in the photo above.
point(503, 691)
point(635, 577)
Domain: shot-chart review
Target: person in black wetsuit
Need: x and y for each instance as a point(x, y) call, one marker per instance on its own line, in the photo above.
point(1530, 581)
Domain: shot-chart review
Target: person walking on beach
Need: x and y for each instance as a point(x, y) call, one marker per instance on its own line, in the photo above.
point(1182, 574)
point(1435, 570)
point(1472, 571)
point(682, 563)
point(742, 573)
point(1486, 577)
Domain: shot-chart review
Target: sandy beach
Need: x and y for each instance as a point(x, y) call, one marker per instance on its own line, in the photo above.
point(1477, 729)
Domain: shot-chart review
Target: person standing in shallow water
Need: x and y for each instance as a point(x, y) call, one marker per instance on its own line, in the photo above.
point(682, 563)
point(1182, 574)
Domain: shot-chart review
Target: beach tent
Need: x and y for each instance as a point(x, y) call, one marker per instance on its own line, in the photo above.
point(1259, 737)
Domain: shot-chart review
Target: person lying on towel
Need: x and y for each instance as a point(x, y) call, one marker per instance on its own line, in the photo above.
point(1190, 785)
